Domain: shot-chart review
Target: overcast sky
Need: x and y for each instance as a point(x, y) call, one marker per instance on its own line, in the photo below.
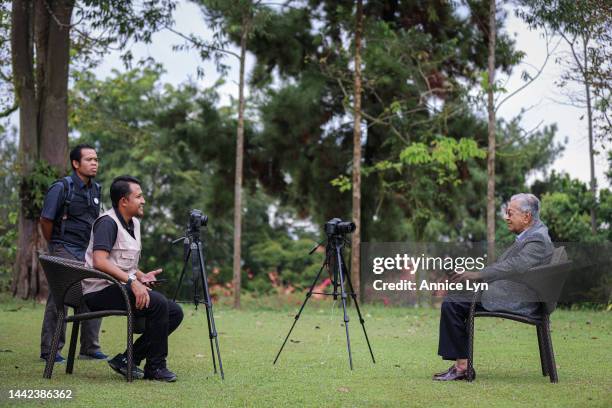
point(541, 97)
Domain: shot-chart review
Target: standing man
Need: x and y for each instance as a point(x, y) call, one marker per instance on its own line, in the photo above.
point(71, 205)
point(532, 247)
point(115, 248)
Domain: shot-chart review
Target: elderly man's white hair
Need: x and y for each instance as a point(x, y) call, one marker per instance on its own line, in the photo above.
point(528, 203)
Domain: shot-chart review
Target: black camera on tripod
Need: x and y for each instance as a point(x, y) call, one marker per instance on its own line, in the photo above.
point(192, 250)
point(336, 226)
point(340, 277)
point(196, 220)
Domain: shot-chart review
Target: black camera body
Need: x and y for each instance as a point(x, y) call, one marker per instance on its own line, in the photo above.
point(196, 220)
point(336, 226)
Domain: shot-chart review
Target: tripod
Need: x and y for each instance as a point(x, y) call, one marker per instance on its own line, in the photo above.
point(335, 259)
point(193, 249)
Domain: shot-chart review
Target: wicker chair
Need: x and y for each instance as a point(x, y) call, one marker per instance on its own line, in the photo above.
point(64, 277)
point(547, 281)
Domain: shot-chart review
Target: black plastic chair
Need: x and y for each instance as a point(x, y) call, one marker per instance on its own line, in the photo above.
point(547, 281)
point(64, 277)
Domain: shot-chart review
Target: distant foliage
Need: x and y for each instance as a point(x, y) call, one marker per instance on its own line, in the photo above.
point(180, 145)
point(566, 206)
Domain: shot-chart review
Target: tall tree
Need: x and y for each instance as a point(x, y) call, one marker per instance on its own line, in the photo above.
point(40, 53)
point(586, 28)
point(237, 264)
point(356, 239)
point(40, 44)
point(415, 78)
point(491, 135)
point(232, 21)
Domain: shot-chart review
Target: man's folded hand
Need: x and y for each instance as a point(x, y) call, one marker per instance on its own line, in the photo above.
point(141, 292)
point(467, 275)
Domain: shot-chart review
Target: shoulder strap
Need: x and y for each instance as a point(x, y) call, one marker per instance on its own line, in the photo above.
point(68, 191)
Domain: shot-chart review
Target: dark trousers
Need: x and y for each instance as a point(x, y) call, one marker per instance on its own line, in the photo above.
point(162, 317)
point(453, 340)
point(90, 331)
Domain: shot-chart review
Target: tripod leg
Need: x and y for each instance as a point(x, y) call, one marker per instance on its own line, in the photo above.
point(343, 296)
point(182, 275)
point(297, 316)
point(210, 318)
point(361, 320)
point(217, 347)
point(211, 334)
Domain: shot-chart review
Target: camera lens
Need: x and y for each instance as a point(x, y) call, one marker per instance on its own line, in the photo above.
point(346, 227)
point(337, 226)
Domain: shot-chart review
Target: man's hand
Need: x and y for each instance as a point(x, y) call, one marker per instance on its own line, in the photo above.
point(462, 277)
point(141, 292)
point(150, 277)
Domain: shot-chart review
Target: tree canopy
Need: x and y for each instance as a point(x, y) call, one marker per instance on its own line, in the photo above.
point(423, 147)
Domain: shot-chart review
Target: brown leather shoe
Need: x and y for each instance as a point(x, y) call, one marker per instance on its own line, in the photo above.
point(454, 375)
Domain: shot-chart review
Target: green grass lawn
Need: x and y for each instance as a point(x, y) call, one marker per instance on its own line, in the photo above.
point(313, 369)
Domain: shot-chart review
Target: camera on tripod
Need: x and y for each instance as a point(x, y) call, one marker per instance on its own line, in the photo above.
point(336, 226)
point(340, 277)
point(196, 220)
point(192, 250)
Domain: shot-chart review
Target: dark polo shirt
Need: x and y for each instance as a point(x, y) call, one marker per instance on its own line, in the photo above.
point(78, 226)
point(105, 231)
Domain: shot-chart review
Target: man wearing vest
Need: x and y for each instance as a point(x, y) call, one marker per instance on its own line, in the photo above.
point(70, 207)
point(114, 248)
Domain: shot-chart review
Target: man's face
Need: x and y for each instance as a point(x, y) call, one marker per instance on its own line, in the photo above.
point(134, 202)
point(517, 220)
point(88, 165)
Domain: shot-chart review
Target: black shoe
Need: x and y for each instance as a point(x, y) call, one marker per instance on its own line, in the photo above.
point(119, 365)
point(441, 373)
point(454, 375)
point(160, 374)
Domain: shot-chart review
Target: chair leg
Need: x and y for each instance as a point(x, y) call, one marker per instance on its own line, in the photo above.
point(73, 341)
point(543, 358)
point(552, 366)
point(54, 344)
point(470, 324)
point(130, 350)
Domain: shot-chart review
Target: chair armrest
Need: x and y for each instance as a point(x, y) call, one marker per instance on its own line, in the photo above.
point(63, 274)
point(74, 262)
point(80, 266)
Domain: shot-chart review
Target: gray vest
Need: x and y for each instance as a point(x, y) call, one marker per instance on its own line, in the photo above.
point(125, 253)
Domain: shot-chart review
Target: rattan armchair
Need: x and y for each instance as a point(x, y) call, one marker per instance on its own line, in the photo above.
point(64, 277)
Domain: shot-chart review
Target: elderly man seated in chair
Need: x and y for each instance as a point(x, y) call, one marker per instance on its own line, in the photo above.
point(531, 248)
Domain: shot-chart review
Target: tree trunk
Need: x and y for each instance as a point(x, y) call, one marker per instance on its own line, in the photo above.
point(53, 124)
point(32, 23)
point(587, 86)
point(356, 241)
point(24, 283)
point(239, 165)
point(491, 147)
